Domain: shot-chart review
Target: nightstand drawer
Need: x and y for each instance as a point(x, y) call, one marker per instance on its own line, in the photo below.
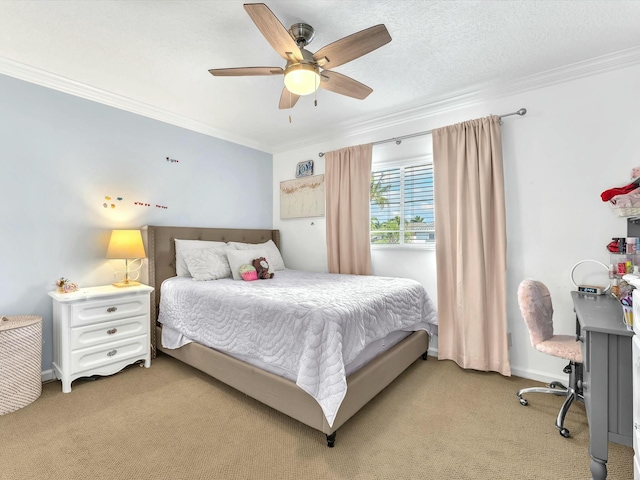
point(97, 333)
point(84, 313)
point(104, 354)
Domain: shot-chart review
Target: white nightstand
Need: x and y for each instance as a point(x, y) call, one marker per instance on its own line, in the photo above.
point(99, 331)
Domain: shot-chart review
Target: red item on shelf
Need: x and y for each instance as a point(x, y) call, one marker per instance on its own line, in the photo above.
point(609, 194)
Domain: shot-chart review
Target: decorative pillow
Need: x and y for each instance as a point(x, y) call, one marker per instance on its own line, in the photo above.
point(237, 258)
point(273, 254)
point(207, 263)
point(248, 272)
point(183, 245)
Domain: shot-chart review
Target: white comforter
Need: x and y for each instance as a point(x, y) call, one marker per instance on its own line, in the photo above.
point(309, 324)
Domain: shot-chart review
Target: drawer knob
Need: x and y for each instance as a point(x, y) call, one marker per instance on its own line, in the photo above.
point(112, 309)
point(112, 331)
point(112, 353)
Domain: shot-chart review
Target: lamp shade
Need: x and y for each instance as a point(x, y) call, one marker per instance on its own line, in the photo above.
point(126, 244)
point(301, 78)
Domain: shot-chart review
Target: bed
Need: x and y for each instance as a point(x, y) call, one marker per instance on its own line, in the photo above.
point(279, 389)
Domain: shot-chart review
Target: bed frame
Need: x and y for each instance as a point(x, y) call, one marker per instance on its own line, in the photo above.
point(272, 390)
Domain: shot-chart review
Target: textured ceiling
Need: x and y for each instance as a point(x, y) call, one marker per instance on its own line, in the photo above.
point(157, 53)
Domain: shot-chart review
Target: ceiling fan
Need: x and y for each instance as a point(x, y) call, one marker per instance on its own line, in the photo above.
point(305, 72)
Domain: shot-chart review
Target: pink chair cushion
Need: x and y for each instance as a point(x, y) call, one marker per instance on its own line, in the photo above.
point(563, 346)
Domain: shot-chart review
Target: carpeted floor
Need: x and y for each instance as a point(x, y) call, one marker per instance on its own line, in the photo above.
point(435, 421)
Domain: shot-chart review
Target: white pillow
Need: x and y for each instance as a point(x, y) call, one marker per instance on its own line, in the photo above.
point(237, 258)
point(274, 258)
point(207, 263)
point(183, 245)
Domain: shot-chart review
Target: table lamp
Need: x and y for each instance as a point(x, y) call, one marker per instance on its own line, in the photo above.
point(127, 245)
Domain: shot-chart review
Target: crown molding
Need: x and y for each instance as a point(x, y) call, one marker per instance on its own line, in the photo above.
point(50, 80)
point(454, 101)
point(593, 66)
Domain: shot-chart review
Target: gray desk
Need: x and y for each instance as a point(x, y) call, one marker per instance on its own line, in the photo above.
point(607, 375)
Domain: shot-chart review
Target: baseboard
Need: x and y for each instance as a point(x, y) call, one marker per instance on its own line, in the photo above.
point(47, 376)
point(529, 374)
point(538, 375)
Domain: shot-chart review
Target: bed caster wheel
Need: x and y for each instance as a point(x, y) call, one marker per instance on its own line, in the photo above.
point(564, 432)
point(331, 440)
point(523, 402)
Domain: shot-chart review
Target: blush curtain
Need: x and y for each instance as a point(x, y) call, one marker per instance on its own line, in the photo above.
point(471, 245)
point(347, 187)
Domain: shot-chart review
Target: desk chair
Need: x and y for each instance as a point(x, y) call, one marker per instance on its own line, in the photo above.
point(537, 310)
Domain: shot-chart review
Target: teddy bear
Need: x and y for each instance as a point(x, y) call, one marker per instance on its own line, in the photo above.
point(262, 267)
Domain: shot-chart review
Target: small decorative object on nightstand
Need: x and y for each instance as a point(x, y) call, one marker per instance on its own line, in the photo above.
point(99, 331)
point(65, 286)
point(20, 361)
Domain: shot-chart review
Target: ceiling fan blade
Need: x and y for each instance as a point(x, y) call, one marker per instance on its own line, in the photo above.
point(337, 83)
point(287, 99)
point(271, 28)
point(354, 46)
point(245, 71)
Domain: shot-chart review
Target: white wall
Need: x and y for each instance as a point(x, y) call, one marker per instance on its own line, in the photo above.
point(578, 139)
point(61, 155)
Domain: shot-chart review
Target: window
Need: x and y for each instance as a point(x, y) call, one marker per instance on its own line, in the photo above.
point(402, 205)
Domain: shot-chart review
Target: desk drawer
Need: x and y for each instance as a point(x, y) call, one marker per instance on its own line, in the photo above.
point(97, 333)
point(636, 396)
point(94, 311)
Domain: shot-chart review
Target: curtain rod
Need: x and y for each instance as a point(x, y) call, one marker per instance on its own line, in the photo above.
point(398, 140)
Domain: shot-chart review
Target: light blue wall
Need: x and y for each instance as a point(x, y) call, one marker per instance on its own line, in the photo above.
point(61, 155)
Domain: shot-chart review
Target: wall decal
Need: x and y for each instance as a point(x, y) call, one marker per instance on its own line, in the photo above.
point(108, 198)
point(172, 160)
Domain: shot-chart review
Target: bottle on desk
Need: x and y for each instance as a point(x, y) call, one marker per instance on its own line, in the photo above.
point(615, 288)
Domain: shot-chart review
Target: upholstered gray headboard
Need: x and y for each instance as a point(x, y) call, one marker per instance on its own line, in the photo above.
point(161, 253)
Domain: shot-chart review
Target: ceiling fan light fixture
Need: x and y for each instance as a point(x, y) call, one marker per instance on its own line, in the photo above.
point(301, 78)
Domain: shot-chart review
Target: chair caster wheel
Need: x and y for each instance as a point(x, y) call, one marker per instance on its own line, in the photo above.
point(564, 432)
point(523, 402)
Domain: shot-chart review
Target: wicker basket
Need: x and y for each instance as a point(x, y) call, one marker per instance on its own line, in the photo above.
point(20, 361)
point(627, 211)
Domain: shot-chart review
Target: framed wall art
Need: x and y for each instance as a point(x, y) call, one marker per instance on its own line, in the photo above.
point(304, 169)
point(302, 197)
